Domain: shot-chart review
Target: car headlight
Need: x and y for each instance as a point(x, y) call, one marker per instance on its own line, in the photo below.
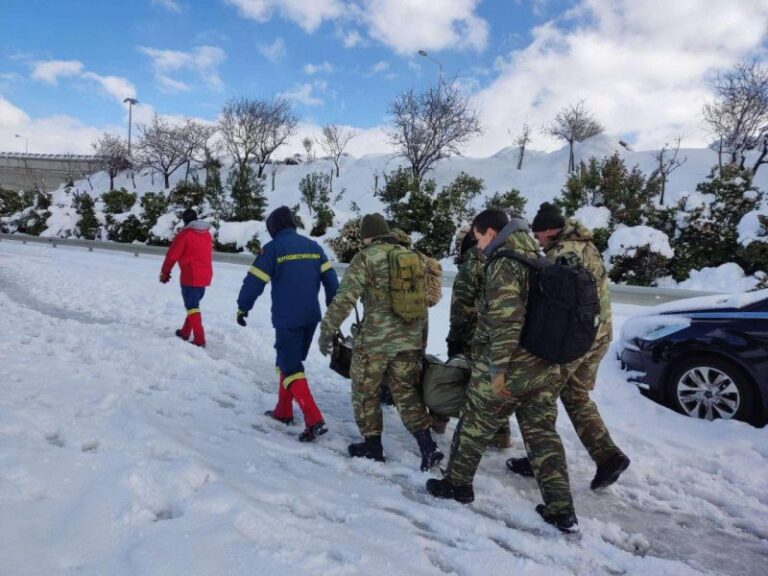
point(652, 328)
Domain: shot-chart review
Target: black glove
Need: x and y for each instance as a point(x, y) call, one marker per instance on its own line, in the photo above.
point(241, 316)
point(325, 342)
point(454, 348)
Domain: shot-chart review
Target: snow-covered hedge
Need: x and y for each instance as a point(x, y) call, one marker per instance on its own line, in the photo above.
point(638, 255)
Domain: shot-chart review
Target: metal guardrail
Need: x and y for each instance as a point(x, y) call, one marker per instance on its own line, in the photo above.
point(620, 294)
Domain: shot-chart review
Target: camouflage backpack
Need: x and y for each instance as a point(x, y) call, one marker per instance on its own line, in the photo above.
point(407, 284)
point(433, 277)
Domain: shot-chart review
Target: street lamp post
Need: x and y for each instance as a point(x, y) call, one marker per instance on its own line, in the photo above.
point(130, 102)
point(26, 142)
point(440, 66)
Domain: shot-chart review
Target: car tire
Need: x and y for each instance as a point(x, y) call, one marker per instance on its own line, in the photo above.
point(708, 387)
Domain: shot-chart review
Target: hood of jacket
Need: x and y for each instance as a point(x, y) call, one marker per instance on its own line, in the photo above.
point(574, 231)
point(514, 225)
point(198, 226)
point(280, 219)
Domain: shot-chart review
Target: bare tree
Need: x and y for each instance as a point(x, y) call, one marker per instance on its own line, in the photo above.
point(161, 147)
point(739, 113)
point(335, 140)
point(668, 161)
point(308, 145)
point(112, 156)
point(431, 125)
point(574, 123)
point(521, 141)
point(253, 129)
point(195, 136)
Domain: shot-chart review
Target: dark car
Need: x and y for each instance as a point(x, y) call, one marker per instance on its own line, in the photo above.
point(705, 357)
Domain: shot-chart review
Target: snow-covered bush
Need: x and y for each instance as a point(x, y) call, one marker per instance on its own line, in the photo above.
point(348, 242)
point(88, 225)
point(239, 236)
point(11, 202)
point(118, 201)
point(753, 241)
point(316, 194)
point(638, 255)
point(512, 202)
point(729, 277)
point(247, 193)
point(187, 195)
point(706, 221)
point(598, 220)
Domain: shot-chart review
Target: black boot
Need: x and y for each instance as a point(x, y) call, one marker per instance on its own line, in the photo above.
point(312, 432)
point(271, 414)
point(430, 454)
point(444, 489)
point(520, 466)
point(609, 471)
point(565, 522)
point(370, 448)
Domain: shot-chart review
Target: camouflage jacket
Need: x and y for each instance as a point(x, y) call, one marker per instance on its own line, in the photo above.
point(381, 330)
point(464, 298)
point(575, 241)
point(501, 315)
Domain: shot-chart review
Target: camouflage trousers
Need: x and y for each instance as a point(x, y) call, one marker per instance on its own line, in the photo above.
point(579, 379)
point(402, 372)
point(486, 411)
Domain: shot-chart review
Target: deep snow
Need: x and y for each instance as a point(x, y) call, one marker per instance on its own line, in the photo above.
point(124, 451)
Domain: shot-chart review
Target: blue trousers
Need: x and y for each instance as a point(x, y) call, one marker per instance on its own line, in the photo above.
point(292, 345)
point(192, 296)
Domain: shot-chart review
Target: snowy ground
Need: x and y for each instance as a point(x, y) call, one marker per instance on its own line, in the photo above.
point(124, 451)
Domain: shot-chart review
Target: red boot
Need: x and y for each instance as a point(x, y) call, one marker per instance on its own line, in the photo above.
point(284, 409)
point(185, 331)
point(196, 321)
point(299, 389)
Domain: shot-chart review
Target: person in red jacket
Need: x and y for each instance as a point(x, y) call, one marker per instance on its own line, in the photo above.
point(192, 248)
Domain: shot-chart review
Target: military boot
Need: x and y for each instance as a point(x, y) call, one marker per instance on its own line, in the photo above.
point(565, 522)
point(444, 489)
point(520, 466)
point(430, 454)
point(370, 448)
point(609, 471)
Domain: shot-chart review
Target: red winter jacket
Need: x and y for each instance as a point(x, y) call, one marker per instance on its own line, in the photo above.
point(193, 250)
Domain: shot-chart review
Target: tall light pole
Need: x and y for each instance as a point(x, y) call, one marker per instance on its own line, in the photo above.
point(130, 102)
point(440, 66)
point(26, 142)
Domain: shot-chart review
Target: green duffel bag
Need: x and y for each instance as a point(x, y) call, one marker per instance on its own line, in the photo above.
point(444, 384)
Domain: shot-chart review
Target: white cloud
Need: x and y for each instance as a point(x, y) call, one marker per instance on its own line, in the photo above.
point(10, 115)
point(380, 66)
point(307, 14)
point(170, 5)
point(51, 70)
point(437, 25)
point(203, 61)
point(115, 86)
point(323, 67)
point(304, 94)
point(273, 52)
point(642, 68)
point(403, 25)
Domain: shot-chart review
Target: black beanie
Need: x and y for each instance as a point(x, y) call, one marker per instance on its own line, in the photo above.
point(188, 216)
point(280, 219)
point(549, 217)
point(373, 225)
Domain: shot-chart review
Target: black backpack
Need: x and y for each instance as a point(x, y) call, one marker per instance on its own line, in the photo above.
point(563, 309)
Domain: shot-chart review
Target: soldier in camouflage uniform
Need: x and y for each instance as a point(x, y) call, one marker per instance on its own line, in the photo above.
point(467, 287)
point(571, 240)
point(507, 379)
point(385, 347)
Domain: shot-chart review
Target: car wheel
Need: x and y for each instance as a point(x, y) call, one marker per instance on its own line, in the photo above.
point(709, 388)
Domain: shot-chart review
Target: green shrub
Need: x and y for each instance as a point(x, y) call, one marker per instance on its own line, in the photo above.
point(643, 268)
point(153, 205)
point(348, 242)
point(247, 192)
point(187, 195)
point(118, 201)
point(11, 202)
point(88, 226)
point(512, 202)
point(600, 238)
point(33, 223)
point(129, 230)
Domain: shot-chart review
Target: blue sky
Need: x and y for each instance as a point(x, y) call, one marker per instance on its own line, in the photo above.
point(67, 64)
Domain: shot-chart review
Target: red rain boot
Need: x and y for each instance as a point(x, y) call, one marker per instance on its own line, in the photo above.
point(196, 321)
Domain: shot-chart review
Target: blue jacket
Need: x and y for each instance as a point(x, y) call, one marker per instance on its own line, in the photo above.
point(296, 266)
